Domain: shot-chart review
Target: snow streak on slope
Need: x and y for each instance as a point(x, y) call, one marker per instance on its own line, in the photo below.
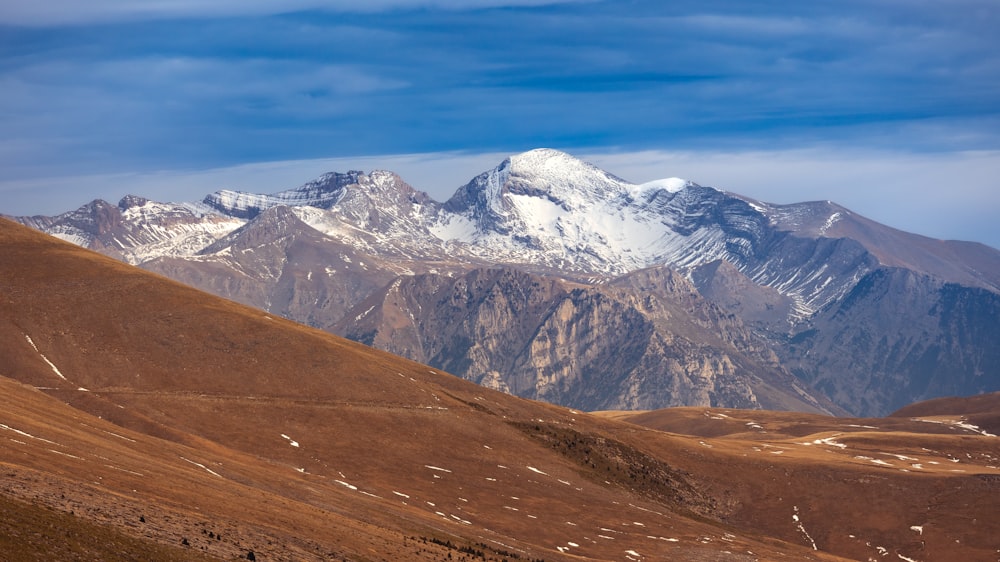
point(138, 230)
point(160, 229)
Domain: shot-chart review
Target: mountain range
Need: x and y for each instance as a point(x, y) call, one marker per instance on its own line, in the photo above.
point(142, 419)
point(549, 278)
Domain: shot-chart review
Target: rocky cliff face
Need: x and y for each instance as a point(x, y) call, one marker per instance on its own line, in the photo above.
point(646, 341)
point(896, 336)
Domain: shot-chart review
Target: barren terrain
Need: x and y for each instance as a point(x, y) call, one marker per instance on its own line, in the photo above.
point(142, 419)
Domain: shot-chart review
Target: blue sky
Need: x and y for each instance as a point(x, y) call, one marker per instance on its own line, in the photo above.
point(889, 107)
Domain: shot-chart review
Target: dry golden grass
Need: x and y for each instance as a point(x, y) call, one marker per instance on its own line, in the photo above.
point(239, 431)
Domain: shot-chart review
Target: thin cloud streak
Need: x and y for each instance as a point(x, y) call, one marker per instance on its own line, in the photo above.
point(73, 12)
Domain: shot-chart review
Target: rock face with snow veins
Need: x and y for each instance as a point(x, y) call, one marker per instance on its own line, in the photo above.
point(550, 278)
point(612, 347)
point(907, 335)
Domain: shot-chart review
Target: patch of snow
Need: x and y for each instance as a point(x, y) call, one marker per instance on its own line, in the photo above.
point(125, 470)
point(363, 314)
point(65, 454)
point(829, 222)
point(25, 434)
point(798, 523)
point(291, 442)
point(533, 469)
point(826, 441)
point(119, 436)
point(670, 185)
point(438, 468)
point(966, 425)
point(203, 467)
point(44, 358)
point(918, 529)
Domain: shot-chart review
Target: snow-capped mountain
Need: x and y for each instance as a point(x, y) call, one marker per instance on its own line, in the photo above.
point(138, 230)
point(323, 192)
point(547, 208)
point(316, 253)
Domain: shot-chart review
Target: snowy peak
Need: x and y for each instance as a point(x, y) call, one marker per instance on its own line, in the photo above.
point(381, 187)
point(561, 176)
point(130, 201)
point(570, 183)
point(544, 174)
point(274, 223)
point(669, 185)
point(322, 192)
point(549, 208)
point(325, 192)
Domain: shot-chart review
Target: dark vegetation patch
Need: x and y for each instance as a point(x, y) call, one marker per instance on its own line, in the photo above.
point(606, 460)
point(477, 551)
point(33, 532)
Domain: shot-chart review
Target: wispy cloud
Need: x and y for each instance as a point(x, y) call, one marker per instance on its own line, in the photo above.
point(72, 12)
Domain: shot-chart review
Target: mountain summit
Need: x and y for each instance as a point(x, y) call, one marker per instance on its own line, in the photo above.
point(607, 293)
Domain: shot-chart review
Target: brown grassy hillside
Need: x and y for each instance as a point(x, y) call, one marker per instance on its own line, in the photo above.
point(164, 419)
